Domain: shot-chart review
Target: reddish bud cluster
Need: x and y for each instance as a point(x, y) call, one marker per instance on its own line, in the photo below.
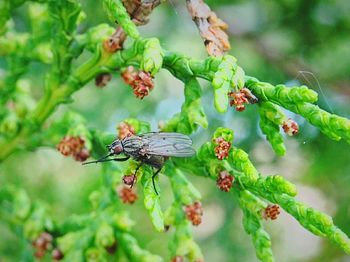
point(129, 180)
point(224, 181)
point(222, 148)
point(125, 130)
point(271, 211)
point(42, 244)
point(244, 96)
point(74, 146)
point(194, 213)
point(290, 127)
point(102, 79)
point(140, 81)
point(177, 259)
point(127, 195)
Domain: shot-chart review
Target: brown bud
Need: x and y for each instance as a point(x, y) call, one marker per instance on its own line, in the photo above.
point(224, 181)
point(82, 155)
point(271, 212)
point(127, 195)
point(70, 145)
point(140, 81)
point(129, 180)
point(73, 146)
point(238, 100)
point(129, 75)
point(57, 254)
point(39, 253)
point(102, 79)
point(194, 213)
point(222, 148)
point(290, 127)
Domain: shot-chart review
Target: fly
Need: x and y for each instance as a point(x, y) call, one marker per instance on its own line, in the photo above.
point(152, 149)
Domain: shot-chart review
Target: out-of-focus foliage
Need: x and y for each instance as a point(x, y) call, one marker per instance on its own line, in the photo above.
point(291, 42)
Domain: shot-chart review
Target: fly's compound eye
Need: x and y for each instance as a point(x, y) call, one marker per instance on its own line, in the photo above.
point(117, 149)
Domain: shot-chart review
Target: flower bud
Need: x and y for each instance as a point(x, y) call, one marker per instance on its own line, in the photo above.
point(127, 195)
point(102, 79)
point(194, 213)
point(75, 146)
point(271, 212)
point(290, 127)
point(224, 181)
point(57, 254)
point(140, 81)
point(243, 96)
point(222, 148)
point(129, 180)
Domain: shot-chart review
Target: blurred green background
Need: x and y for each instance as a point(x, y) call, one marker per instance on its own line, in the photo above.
point(286, 41)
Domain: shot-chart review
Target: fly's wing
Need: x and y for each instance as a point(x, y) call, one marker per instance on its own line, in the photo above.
point(167, 144)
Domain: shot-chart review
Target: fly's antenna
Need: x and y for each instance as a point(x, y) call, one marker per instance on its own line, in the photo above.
point(103, 159)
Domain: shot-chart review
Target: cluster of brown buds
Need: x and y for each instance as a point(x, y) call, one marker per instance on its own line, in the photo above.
point(224, 181)
point(290, 127)
point(242, 97)
point(74, 146)
point(271, 212)
point(140, 81)
point(102, 79)
point(222, 148)
point(43, 244)
point(127, 195)
point(125, 130)
point(194, 213)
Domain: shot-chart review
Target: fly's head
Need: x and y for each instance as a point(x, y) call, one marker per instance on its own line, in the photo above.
point(116, 147)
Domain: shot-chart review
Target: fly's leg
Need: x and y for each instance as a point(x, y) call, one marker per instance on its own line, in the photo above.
point(135, 177)
point(122, 159)
point(153, 177)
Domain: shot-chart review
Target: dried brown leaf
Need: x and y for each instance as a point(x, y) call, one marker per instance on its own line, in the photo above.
point(211, 28)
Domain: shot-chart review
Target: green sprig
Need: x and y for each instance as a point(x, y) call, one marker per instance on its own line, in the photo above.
point(251, 206)
point(299, 100)
point(152, 201)
point(271, 117)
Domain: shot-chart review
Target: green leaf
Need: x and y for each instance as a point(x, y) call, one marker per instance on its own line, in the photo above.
point(152, 201)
